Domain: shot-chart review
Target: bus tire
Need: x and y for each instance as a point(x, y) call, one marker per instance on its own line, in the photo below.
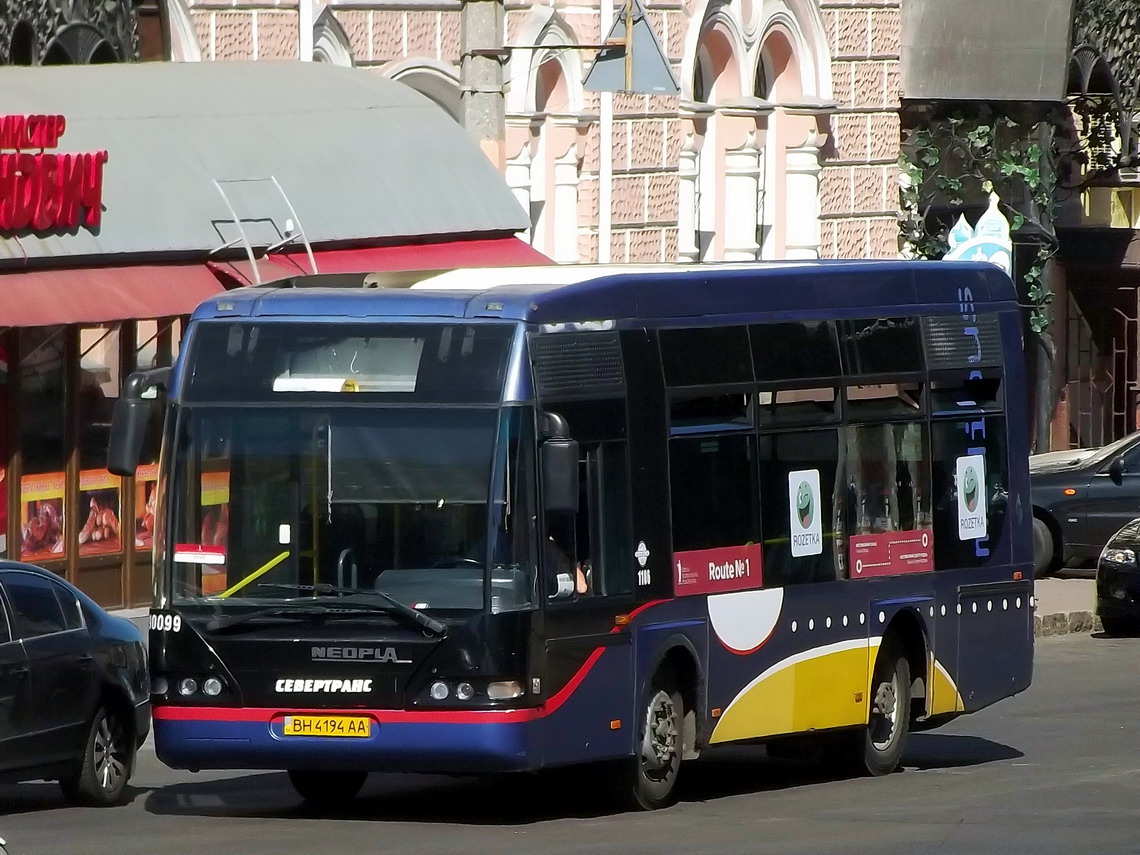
point(651, 774)
point(327, 789)
point(883, 740)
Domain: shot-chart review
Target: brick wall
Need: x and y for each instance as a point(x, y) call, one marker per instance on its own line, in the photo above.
point(859, 179)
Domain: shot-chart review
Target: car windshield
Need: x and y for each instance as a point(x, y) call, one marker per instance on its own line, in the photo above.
point(276, 504)
point(1113, 448)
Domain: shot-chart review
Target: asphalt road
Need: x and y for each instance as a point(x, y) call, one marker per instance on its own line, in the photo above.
point(1054, 770)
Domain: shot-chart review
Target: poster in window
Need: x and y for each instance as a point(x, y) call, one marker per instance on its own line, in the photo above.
point(971, 483)
point(215, 527)
point(99, 510)
point(804, 504)
point(146, 497)
point(41, 516)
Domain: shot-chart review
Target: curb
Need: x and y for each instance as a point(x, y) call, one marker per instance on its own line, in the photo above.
point(1065, 623)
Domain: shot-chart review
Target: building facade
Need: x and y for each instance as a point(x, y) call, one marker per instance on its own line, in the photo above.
point(783, 141)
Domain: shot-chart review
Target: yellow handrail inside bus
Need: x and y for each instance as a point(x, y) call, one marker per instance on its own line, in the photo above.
point(256, 574)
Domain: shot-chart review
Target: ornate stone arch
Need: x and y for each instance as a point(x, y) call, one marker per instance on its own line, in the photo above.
point(718, 19)
point(184, 44)
point(799, 22)
point(548, 32)
point(436, 80)
point(330, 42)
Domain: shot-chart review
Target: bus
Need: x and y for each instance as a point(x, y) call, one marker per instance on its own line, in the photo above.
point(485, 521)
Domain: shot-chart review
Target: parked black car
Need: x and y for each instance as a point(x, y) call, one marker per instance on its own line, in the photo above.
point(1118, 582)
point(1080, 499)
point(74, 689)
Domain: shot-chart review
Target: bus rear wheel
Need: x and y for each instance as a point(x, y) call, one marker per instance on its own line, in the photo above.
point(327, 789)
point(650, 777)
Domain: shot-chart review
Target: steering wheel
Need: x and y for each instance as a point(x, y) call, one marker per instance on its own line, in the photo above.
point(456, 561)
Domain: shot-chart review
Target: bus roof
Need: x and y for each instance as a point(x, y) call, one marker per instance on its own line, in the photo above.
point(591, 292)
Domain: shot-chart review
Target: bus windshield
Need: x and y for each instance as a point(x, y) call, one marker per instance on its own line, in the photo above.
point(276, 503)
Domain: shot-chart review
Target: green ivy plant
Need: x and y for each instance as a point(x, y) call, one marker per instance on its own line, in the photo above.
point(959, 157)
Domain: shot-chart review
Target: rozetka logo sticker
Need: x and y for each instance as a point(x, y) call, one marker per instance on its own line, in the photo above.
point(970, 489)
point(804, 504)
point(803, 517)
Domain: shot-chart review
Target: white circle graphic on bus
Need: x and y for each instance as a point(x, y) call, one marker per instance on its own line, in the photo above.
point(971, 484)
point(804, 512)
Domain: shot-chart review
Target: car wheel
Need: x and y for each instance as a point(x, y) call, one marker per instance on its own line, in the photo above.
point(108, 758)
point(1042, 548)
point(327, 789)
point(1119, 626)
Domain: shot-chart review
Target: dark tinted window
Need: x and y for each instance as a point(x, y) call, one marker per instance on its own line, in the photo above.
point(951, 393)
point(714, 492)
point(794, 351)
point(882, 346)
point(954, 440)
point(5, 633)
point(788, 461)
point(703, 357)
point(884, 400)
point(35, 608)
point(289, 363)
point(710, 413)
point(72, 615)
point(787, 407)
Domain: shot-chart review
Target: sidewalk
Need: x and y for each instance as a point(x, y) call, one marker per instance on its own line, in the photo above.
point(1062, 606)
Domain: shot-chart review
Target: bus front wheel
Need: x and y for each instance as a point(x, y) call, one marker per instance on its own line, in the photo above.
point(327, 789)
point(883, 740)
point(651, 777)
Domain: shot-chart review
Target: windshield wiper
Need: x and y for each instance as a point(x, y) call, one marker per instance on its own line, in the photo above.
point(293, 612)
point(362, 596)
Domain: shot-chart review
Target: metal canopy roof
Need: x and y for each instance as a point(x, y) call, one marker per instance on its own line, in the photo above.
point(988, 50)
point(358, 156)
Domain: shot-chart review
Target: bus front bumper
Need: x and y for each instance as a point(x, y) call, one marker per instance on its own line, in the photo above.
point(432, 742)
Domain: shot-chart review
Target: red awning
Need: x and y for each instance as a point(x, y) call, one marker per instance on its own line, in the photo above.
point(447, 255)
point(33, 298)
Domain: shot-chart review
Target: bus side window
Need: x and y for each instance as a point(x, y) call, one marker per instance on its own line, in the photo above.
point(788, 461)
point(713, 486)
point(954, 439)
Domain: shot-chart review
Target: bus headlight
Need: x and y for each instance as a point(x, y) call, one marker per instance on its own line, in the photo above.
point(187, 686)
point(212, 686)
point(464, 692)
point(504, 690)
point(159, 686)
point(439, 691)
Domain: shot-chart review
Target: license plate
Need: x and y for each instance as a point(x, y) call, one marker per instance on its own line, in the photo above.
point(317, 725)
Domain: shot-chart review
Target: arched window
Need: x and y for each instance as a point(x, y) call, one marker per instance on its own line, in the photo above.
point(22, 48)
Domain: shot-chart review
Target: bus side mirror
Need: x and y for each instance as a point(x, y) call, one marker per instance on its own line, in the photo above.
point(129, 421)
point(560, 476)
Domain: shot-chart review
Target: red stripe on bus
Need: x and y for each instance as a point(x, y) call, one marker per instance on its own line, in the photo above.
point(267, 714)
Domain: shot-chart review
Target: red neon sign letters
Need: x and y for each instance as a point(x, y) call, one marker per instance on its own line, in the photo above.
point(43, 191)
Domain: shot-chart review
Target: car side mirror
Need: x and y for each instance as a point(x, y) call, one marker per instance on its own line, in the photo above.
point(1116, 469)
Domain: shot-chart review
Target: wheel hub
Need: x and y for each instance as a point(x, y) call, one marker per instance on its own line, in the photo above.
point(110, 767)
point(660, 745)
point(884, 713)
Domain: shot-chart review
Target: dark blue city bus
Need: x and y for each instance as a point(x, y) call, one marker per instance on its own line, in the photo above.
point(502, 520)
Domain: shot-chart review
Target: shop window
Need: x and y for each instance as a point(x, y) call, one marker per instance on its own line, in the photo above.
point(969, 518)
point(802, 501)
point(713, 489)
point(42, 411)
point(888, 500)
point(100, 507)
